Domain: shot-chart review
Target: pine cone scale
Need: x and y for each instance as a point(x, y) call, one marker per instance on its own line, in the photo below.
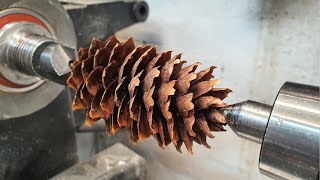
point(189, 121)
point(87, 67)
point(184, 104)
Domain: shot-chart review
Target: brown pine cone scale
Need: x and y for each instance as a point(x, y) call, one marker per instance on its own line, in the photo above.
point(151, 94)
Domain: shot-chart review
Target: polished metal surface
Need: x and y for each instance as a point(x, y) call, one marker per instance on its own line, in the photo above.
point(53, 62)
point(290, 148)
point(13, 35)
point(248, 119)
point(21, 104)
point(36, 56)
point(29, 52)
point(55, 59)
point(56, 16)
point(289, 132)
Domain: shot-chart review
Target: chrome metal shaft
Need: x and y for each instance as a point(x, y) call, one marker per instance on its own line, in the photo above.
point(53, 62)
point(30, 53)
point(40, 56)
point(248, 119)
point(288, 131)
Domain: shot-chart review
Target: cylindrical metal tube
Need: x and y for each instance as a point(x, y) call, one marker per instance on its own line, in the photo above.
point(23, 94)
point(248, 119)
point(19, 42)
point(23, 49)
point(40, 56)
point(289, 132)
point(290, 148)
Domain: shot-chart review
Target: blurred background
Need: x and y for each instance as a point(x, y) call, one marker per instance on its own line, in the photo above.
point(256, 45)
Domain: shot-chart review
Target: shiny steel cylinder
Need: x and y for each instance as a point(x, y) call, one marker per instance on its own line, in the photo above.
point(36, 55)
point(22, 94)
point(289, 132)
point(24, 49)
point(290, 148)
point(248, 119)
point(52, 62)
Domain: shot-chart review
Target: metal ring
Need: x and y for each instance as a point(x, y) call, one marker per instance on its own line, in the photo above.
point(14, 16)
point(21, 104)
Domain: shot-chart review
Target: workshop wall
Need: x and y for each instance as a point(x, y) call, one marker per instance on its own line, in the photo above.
point(256, 45)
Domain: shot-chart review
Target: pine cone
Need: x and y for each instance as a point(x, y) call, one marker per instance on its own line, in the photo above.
point(151, 94)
